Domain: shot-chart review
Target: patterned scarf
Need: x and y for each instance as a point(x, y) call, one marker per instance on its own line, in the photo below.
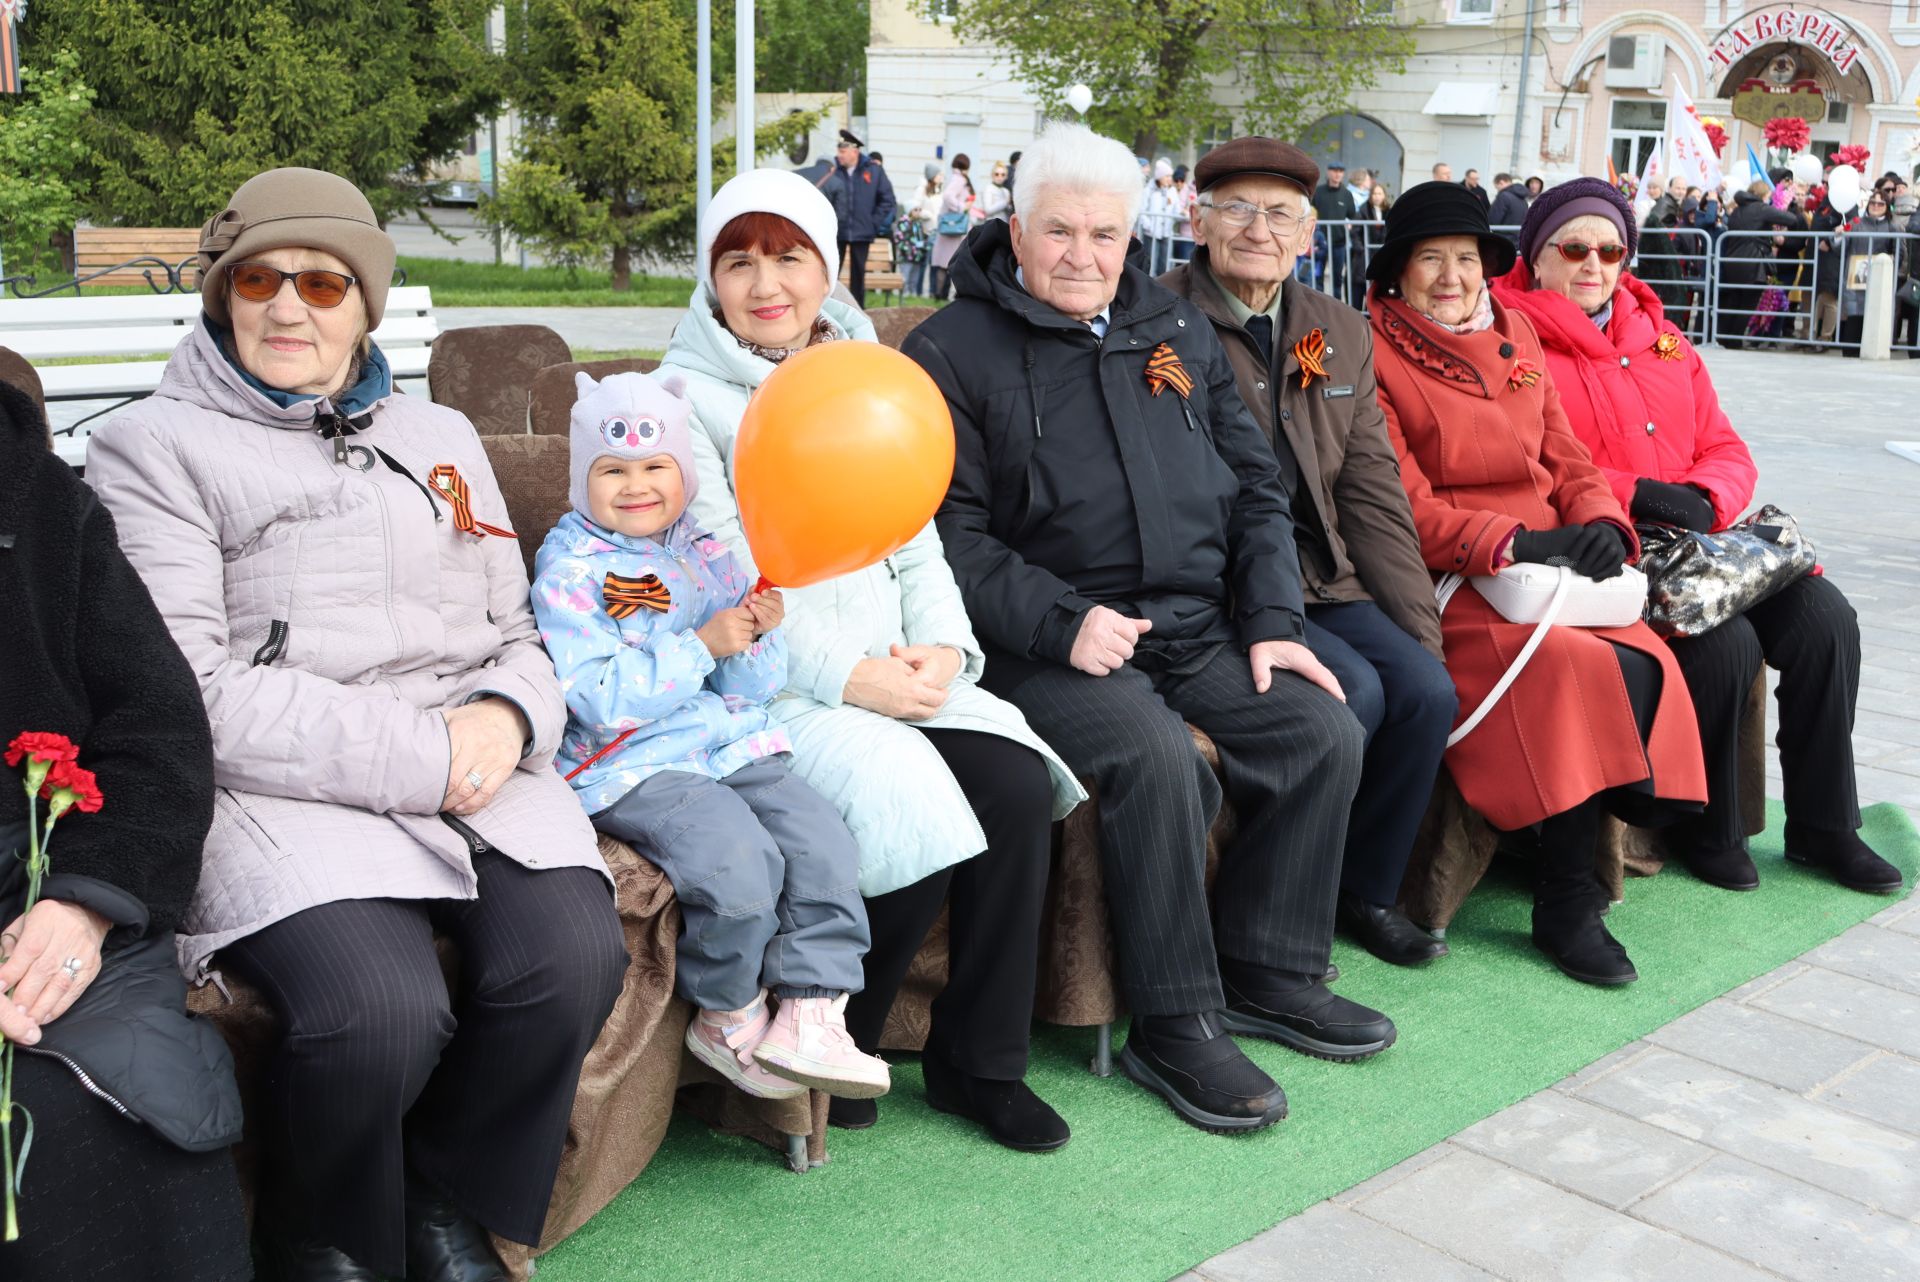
point(824, 331)
point(1482, 317)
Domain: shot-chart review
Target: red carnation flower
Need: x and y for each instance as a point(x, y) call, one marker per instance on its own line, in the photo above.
point(40, 745)
point(1852, 154)
point(68, 785)
point(1788, 133)
point(1716, 136)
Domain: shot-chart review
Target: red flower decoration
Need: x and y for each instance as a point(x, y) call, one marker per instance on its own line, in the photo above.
point(1716, 135)
point(40, 745)
point(1667, 347)
point(1788, 133)
point(1852, 154)
point(82, 789)
point(1523, 375)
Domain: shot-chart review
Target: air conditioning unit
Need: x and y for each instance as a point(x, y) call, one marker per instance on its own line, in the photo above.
point(1635, 62)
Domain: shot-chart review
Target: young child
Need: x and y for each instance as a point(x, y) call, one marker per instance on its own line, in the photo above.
point(668, 662)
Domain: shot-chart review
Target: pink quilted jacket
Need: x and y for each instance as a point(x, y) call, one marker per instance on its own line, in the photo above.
point(329, 610)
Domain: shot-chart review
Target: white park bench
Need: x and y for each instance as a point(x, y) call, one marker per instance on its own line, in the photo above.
point(131, 326)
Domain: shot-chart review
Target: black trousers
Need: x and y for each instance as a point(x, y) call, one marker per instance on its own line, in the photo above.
point(1406, 704)
point(378, 1069)
point(106, 1198)
point(855, 252)
point(1811, 636)
point(982, 1018)
point(1290, 760)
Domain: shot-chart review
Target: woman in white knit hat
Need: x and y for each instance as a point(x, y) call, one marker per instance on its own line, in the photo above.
point(948, 792)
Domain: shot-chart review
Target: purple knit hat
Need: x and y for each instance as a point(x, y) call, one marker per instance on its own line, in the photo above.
point(1555, 207)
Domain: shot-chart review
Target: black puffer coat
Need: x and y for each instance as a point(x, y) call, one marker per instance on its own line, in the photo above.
point(86, 655)
point(1074, 485)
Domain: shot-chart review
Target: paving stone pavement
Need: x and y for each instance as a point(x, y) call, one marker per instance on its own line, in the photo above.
point(1774, 1132)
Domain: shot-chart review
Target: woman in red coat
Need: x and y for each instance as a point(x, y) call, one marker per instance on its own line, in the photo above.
point(1599, 717)
point(1639, 397)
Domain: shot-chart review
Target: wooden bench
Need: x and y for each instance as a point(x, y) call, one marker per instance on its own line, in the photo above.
point(44, 329)
point(882, 279)
point(98, 248)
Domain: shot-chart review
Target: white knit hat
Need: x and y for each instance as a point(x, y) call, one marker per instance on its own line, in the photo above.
point(629, 416)
point(771, 191)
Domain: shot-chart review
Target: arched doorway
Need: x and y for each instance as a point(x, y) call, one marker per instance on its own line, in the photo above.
point(1358, 142)
point(1789, 79)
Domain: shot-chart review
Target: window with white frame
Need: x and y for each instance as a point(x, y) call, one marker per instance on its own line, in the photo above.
point(941, 10)
point(1464, 11)
point(1634, 128)
point(1563, 13)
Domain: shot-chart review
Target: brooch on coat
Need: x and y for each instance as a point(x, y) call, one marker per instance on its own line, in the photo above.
point(1523, 375)
point(1667, 347)
point(1164, 370)
point(626, 597)
point(452, 487)
point(1311, 352)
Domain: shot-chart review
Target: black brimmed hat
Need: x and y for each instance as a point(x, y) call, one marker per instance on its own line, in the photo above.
point(1437, 209)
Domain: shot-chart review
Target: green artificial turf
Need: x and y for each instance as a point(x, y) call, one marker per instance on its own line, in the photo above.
point(1139, 1196)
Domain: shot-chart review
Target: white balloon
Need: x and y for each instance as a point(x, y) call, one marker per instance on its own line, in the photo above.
point(1806, 169)
point(1843, 188)
point(1079, 97)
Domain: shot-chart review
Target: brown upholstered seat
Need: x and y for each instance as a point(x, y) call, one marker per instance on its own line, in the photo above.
point(553, 392)
point(486, 372)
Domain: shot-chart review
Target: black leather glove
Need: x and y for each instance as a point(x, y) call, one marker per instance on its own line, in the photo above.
point(1685, 506)
point(1596, 551)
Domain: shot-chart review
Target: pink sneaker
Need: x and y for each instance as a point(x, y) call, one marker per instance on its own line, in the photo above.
point(809, 1044)
point(724, 1040)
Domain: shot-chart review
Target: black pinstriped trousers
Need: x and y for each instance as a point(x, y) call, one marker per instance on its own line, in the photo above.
point(378, 1070)
point(1810, 634)
point(1290, 762)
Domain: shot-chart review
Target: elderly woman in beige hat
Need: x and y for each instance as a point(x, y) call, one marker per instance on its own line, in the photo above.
point(337, 565)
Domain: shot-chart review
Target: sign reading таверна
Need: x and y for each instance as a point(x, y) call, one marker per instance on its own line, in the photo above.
point(1817, 31)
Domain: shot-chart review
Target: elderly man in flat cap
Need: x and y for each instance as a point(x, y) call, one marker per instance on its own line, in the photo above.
point(1119, 532)
point(1303, 363)
point(863, 201)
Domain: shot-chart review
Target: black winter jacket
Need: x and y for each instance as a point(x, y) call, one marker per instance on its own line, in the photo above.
point(1075, 486)
point(863, 201)
point(84, 653)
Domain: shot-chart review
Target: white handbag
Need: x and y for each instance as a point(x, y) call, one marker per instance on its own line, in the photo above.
point(1544, 595)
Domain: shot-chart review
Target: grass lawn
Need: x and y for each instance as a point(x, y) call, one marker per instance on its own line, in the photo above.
point(463, 284)
point(619, 354)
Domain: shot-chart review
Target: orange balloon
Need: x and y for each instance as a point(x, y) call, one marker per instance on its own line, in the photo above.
point(843, 455)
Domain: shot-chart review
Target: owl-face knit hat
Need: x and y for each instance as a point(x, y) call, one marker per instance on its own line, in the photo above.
point(770, 191)
point(1557, 206)
point(296, 209)
point(629, 416)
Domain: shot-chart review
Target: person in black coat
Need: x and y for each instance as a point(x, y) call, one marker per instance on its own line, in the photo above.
point(1119, 530)
point(863, 200)
point(1509, 208)
point(1334, 204)
point(1745, 259)
point(134, 1102)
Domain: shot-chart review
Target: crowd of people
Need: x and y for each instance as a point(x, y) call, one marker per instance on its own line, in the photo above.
point(286, 618)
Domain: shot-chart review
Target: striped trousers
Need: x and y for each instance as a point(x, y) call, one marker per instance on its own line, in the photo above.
point(1290, 762)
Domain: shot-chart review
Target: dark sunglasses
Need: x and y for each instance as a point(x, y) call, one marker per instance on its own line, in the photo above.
point(259, 283)
point(1576, 251)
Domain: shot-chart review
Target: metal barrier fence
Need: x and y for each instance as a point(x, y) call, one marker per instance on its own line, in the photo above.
point(1786, 288)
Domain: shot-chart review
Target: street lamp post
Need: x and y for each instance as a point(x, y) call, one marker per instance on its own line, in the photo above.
point(703, 109)
point(743, 113)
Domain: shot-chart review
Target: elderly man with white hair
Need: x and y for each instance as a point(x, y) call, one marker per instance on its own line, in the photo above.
point(1120, 534)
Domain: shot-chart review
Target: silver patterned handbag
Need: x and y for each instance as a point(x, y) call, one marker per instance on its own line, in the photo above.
point(1696, 582)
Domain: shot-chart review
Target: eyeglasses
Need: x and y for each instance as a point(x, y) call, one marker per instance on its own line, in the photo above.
point(1576, 251)
point(1240, 213)
point(260, 283)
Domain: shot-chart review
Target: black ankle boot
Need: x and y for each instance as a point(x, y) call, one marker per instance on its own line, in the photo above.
point(1007, 1110)
point(1843, 856)
point(284, 1257)
point(1568, 929)
point(1386, 932)
point(444, 1244)
point(1728, 869)
point(1189, 1061)
point(852, 1114)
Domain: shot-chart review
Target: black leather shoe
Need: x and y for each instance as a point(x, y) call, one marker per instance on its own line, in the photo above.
point(1727, 869)
point(1191, 1063)
point(1568, 929)
point(1311, 1018)
point(852, 1114)
point(1386, 932)
point(1844, 857)
point(281, 1258)
point(443, 1242)
point(1008, 1111)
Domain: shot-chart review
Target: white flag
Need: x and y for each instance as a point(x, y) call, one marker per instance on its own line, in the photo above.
point(1653, 171)
point(1690, 158)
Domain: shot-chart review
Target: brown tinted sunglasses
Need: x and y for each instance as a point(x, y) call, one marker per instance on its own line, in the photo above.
point(260, 283)
point(1576, 251)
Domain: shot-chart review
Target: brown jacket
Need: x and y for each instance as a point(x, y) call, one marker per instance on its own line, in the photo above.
point(1340, 439)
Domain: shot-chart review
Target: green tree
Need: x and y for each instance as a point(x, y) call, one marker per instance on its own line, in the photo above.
point(193, 97)
point(1155, 66)
point(42, 159)
point(605, 162)
point(806, 45)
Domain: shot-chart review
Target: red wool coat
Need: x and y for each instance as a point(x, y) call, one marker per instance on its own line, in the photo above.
point(1484, 452)
point(1639, 412)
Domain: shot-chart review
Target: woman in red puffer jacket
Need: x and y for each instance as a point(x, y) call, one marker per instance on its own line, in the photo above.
point(1639, 397)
